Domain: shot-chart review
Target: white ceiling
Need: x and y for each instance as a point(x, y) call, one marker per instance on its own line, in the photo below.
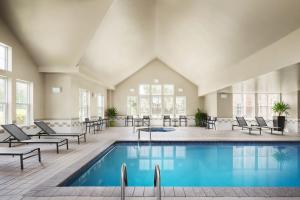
point(113, 39)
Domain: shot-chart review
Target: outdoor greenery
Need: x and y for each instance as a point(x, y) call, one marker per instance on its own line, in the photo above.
point(280, 108)
point(200, 118)
point(111, 114)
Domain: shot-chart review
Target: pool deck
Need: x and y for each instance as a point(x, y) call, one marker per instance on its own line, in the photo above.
point(39, 181)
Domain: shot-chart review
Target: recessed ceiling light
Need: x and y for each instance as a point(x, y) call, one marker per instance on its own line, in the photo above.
point(156, 81)
point(180, 90)
point(131, 90)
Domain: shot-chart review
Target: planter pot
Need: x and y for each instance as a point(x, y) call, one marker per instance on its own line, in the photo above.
point(112, 123)
point(279, 121)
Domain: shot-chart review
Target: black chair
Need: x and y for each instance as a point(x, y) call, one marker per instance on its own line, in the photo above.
point(18, 136)
point(129, 119)
point(146, 120)
point(243, 124)
point(46, 130)
point(99, 124)
point(166, 118)
point(89, 124)
point(183, 119)
point(263, 124)
point(211, 122)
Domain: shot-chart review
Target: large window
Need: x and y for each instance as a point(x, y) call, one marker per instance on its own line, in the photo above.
point(132, 105)
point(100, 105)
point(23, 102)
point(156, 100)
point(180, 105)
point(3, 101)
point(84, 104)
point(265, 103)
point(168, 105)
point(244, 105)
point(248, 106)
point(156, 106)
point(4, 57)
point(144, 105)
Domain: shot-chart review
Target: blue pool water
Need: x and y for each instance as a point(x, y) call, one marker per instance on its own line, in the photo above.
point(196, 164)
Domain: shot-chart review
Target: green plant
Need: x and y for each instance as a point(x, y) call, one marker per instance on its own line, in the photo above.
point(280, 108)
point(200, 117)
point(111, 114)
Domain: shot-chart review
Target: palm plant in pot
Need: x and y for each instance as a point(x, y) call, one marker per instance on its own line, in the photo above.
point(111, 114)
point(200, 118)
point(280, 108)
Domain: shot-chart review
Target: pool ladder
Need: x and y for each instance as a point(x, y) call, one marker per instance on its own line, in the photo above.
point(124, 181)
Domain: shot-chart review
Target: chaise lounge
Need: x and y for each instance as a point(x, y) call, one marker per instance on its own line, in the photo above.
point(48, 131)
point(243, 124)
point(22, 153)
point(263, 124)
point(18, 136)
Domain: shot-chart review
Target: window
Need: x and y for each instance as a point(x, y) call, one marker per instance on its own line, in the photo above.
point(23, 102)
point(144, 90)
point(180, 105)
point(244, 105)
point(84, 104)
point(168, 89)
point(3, 101)
point(100, 105)
point(265, 103)
point(156, 100)
point(144, 105)
point(156, 89)
point(132, 105)
point(156, 107)
point(168, 105)
point(5, 57)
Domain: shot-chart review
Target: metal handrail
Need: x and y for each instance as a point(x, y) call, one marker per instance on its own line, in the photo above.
point(124, 181)
point(157, 182)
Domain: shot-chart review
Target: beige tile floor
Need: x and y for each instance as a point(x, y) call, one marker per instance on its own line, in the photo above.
point(14, 183)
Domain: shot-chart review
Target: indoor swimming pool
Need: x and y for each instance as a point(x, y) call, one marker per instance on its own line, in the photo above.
point(195, 164)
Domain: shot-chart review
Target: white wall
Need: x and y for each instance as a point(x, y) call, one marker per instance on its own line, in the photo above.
point(155, 70)
point(65, 105)
point(24, 68)
point(210, 104)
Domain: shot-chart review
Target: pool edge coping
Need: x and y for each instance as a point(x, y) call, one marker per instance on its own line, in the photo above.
point(51, 187)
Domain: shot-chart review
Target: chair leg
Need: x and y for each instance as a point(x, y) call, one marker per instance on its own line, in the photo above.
point(57, 150)
point(67, 143)
point(39, 154)
point(21, 161)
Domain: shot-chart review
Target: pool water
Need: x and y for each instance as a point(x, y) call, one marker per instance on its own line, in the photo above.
point(234, 164)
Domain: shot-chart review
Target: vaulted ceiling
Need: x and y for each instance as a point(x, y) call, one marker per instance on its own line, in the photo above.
point(112, 39)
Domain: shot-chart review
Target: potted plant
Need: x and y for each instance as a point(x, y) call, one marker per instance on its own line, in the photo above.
point(280, 108)
point(200, 118)
point(111, 114)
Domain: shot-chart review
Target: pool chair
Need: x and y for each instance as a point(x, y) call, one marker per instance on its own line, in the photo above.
point(243, 124)
point(90, 124)
point(146, 120)
point(48, 131)
point(211, 122)
point(23, 153)
point(166, 118)
point(129, 119)
point(262, 124)
point(182, 119)
point(18, 136)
